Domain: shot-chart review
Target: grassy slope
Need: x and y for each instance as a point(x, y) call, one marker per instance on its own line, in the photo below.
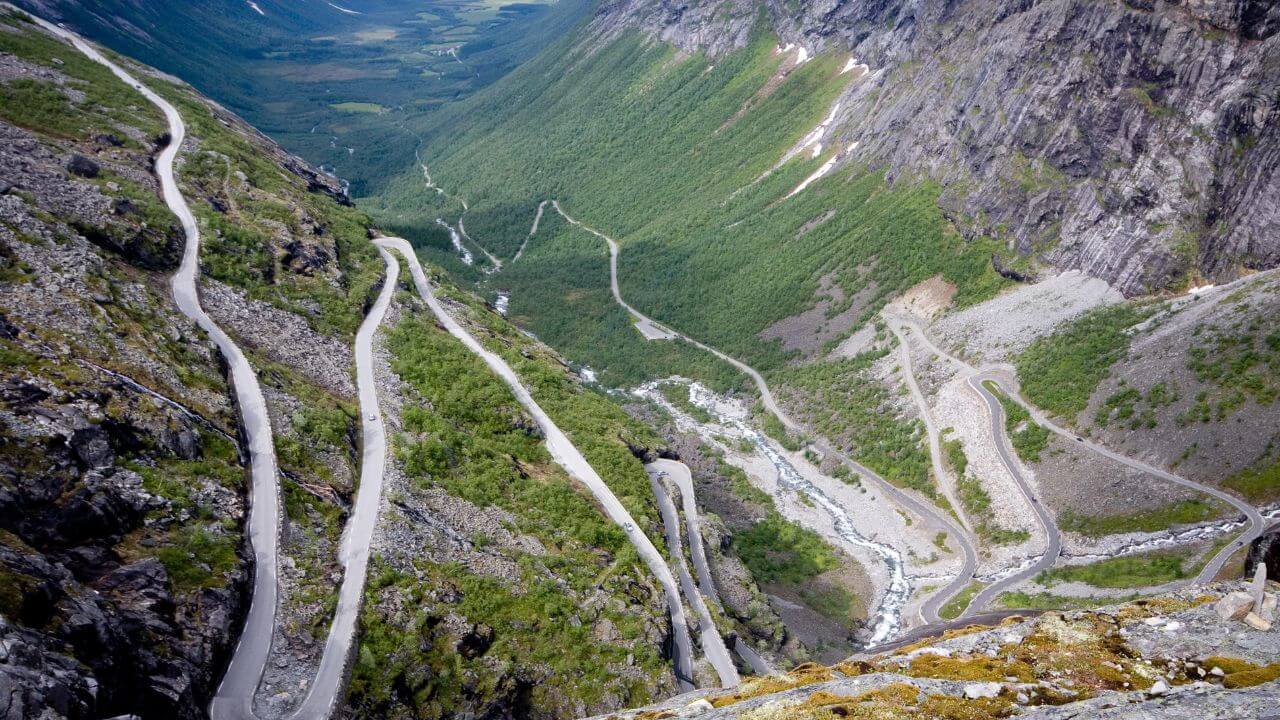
point(1060, 371)
point(649, 147)
point(465, 432)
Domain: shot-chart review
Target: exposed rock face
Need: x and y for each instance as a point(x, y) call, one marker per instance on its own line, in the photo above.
point(1266, 551)
point(1138, 141)
point(1165, 658)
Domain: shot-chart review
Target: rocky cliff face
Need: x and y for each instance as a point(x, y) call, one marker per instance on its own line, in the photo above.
point(1136, 140)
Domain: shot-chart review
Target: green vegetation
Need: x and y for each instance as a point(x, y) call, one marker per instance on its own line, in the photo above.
point(776, 550)
point(831, 601)
point(198, 558)
point(774, 428)
point(741, 485)
point(1027, 437)
point(1048, 601)
point(663, 152)
point(1261, 482)
point(956, 605)
point(359, 107)
point(49, 109)
point(1128, 571)
point(243, 247)
point(1059, 372)
point(841, 400)
point(410, 659)
point(977, 503)
point(1239, 364)
point(469, 436)
point(202, 552)
point(1184, 512)
point(956, 458)
point(466, 433)
point(560, 291)
point(284, 71)
point(1135, 409)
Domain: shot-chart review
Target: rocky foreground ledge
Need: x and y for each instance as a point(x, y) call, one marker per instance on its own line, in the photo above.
point(1186, 655)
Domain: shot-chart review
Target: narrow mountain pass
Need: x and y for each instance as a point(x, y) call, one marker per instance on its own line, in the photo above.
point(923, 509)
point(901, 328)
point(571, 459)
point(235, 694)
point(931, 428)
point(1053, 538)
point(358, 534)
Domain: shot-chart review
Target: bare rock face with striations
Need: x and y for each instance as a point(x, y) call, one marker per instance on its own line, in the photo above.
point(1135, 140)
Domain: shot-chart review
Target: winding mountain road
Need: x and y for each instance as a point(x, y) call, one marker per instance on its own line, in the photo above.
point(356, 538)
point(1005, 376)
point(931, 428)
point(567, 456)
point(923, 509)
point(995, 413)
point(1053, 538)
point(683, 478)
point(234, 697)
point(717, 653)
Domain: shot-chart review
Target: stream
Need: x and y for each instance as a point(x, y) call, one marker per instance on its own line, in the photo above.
point(887, 621)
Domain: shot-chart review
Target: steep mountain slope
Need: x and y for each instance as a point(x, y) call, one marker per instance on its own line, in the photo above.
point(776, 177)
point(1134, 140)
point(123, 563)
point(123, 491)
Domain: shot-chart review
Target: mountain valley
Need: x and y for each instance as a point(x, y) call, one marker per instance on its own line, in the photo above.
point(865, 359)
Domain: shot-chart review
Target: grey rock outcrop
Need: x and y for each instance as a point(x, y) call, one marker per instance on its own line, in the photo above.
point(1264, 551)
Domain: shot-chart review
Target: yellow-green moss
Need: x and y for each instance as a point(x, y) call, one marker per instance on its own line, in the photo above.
point(1242, 673)
point(981, 668)
point(801, 675)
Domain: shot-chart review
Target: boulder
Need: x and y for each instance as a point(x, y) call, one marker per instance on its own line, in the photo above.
point(1258, 588)
point(1234, 605)
point(184, 443)
point(83, 167)
point(92, 447)
point(974, 691)
point(1257, 622)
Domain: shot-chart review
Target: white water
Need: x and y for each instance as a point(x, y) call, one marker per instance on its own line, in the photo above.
point(502, 303)
point(887, 621)
point(454, 238)
point(1176, 539)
